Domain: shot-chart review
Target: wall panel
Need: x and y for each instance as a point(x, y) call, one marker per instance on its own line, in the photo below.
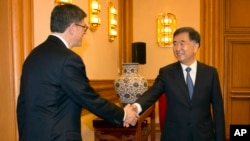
point(237, 16)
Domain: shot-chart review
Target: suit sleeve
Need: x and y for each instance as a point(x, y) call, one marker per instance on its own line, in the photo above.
point(77, 87)
point(20, 112)
point(149, 97)
point(218, 109)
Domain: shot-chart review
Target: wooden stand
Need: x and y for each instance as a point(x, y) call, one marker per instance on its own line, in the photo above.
point(105, 131)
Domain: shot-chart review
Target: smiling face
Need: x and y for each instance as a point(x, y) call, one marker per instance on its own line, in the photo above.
point(185, 49)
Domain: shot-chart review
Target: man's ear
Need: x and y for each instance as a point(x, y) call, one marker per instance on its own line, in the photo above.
point(72, 28)
point(196, 46)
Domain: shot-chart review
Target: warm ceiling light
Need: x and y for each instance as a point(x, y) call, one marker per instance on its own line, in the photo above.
point(166, 25)
point(94, 19)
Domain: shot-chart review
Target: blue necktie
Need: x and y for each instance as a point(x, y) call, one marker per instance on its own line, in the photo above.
point(189, 83)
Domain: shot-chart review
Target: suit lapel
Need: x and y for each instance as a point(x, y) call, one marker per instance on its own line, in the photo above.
point(199, 79)
point(181, 81)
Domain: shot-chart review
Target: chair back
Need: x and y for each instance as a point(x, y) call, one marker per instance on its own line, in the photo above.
point(162, 109)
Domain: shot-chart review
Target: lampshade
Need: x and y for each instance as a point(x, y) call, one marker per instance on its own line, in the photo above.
point(112, 22)
point(94, 19)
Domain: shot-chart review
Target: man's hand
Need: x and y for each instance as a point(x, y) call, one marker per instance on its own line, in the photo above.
point(131, 115)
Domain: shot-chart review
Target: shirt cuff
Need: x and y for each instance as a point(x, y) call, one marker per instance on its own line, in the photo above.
point(138, 107)
point(124, 115)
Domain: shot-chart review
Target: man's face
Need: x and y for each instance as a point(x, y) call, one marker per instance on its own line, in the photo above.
point(81, 29)
point(184, 49)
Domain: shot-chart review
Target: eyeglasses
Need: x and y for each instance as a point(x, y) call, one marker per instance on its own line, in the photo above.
point(85, 27)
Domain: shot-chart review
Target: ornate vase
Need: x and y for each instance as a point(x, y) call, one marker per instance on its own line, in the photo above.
point(130, 85)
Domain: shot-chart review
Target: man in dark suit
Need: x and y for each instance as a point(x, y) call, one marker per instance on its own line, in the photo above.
point(54, 86)
point(188, 117)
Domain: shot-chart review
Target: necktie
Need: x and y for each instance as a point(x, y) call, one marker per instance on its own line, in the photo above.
point(189, 82)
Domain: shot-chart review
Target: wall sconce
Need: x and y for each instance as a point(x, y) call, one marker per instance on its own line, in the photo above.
point(166, 25)
point(63, 1)
point(112, 22)
point(94, 10)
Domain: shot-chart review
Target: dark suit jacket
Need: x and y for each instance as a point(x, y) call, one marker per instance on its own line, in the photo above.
point(187, 118)
point(54, 89)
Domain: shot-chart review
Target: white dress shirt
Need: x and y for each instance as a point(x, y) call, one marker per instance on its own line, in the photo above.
point(192, 74)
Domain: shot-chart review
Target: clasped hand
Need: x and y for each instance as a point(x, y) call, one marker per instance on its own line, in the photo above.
point(131, 115)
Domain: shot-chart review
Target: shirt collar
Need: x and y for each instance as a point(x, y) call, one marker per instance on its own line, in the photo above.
point(64, 42)
point(192, 66)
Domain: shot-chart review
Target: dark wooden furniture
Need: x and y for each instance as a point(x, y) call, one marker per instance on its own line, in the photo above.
point(105, 131)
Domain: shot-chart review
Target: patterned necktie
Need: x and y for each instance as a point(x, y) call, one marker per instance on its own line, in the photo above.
point(189, 83)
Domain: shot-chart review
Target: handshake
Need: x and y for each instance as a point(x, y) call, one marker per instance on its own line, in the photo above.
point(131, 116)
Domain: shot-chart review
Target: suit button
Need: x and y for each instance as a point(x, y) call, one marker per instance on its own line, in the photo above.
point(188, 123)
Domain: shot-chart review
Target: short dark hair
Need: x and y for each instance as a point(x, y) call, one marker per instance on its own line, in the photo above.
point(193, 34)
point(63, 15)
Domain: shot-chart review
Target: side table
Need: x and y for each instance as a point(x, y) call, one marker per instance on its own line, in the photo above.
point(104, 131)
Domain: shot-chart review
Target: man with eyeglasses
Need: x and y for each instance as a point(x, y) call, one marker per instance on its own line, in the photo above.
point(54, 87)
point(85, 27)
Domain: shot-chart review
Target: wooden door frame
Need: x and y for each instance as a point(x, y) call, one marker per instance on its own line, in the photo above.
point(212, 51)
point(212, 35)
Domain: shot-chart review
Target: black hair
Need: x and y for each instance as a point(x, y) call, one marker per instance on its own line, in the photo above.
point(193, 34)
point(64, 15)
